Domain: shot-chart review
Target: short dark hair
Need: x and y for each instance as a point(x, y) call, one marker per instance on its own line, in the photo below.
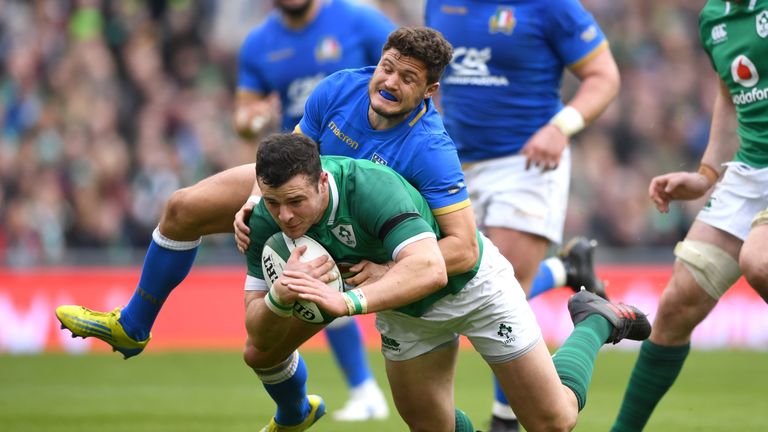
point(282, 156)
point(424, 44)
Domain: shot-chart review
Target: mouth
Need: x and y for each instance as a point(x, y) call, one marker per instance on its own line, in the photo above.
point(387, 95)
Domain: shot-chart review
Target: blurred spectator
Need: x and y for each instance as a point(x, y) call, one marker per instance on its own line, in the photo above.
point(107, 107)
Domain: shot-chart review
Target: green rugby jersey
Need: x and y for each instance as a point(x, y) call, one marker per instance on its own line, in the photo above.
point(735, 37)
point(372, 213)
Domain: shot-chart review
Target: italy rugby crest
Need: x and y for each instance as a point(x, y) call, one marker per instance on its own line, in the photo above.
point(329, 49)
point(503, 21)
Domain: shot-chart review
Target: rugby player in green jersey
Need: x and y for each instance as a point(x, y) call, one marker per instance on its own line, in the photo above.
point(714, 253)
point(421, 310)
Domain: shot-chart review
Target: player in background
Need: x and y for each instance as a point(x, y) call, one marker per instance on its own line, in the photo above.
point(280, 62)
point(711, 258)
point(501, 104)
point(420, 309)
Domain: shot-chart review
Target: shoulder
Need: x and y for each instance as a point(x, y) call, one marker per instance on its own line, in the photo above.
point(261, 33)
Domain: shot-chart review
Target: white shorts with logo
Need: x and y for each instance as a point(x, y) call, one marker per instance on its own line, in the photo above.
point(491, 311)
point(504, 194)
point(737, 199)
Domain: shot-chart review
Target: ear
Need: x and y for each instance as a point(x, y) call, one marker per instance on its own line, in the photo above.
point(431, 90)
point(322, 185)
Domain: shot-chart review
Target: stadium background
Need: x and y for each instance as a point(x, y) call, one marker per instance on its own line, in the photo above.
point(108, 107)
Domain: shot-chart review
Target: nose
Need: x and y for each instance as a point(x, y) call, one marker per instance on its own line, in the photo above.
point(285, 214)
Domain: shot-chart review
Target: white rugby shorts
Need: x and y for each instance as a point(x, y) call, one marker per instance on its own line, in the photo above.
point(737, 199)
point(504, 194)
point(491, 311)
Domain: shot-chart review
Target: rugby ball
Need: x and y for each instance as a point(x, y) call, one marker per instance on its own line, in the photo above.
point(277, 250)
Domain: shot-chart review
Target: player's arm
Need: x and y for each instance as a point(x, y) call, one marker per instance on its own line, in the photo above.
point(599, 85)
point(418, 270)
point(458, 244)
point(255, 113)
point(722, 145)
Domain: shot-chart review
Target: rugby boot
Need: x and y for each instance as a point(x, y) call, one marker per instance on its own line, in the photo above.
point(499, 424)
point(628, 321)
point(578, 258)
point(105, 326)
point(317, 410)
point(367, 404)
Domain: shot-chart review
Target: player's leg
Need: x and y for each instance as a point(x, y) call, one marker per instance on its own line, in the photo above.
point(547, 393)
point(422, 389)
point(207, 207)
point(705, 268)
point(366, 399)
point(754, 255)
point(283, 373)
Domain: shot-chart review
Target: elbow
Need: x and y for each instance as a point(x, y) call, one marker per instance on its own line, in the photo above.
point(468, 258)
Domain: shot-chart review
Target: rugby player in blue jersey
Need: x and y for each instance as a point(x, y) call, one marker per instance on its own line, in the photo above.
point(501, 104)
point(280, 62)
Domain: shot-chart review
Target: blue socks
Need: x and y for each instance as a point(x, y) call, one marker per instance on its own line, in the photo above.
point(166, 264)
point(551, 275)
point(346, 342)
point(286, 384)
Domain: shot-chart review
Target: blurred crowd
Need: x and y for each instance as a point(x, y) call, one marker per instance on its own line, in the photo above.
point(108, 107)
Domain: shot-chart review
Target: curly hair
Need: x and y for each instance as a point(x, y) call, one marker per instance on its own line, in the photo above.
point(424, 44)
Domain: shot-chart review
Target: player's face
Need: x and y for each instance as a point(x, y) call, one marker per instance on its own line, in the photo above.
point(398, 85)
point(298, 204)
point(294, 8)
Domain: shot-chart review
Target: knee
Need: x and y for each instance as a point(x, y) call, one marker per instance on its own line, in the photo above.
point(178, 218)
point(755, 271)
point(256, 359)
point(561, 421)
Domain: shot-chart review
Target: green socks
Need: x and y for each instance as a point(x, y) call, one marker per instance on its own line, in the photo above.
point(463, 423)
point(575, 360)
point(655, 371)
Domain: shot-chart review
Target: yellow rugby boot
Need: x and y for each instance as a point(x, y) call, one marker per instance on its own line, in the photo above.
point(316, 410)
point(84, 322)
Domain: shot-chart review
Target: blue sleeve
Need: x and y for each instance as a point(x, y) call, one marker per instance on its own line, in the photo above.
point(375, 28)
point(574, 33)
point(317, 104)
point(441, 181)
point(249, 75)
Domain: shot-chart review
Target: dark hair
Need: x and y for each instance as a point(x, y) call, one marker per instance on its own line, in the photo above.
point(280, 157)
point(424, 44)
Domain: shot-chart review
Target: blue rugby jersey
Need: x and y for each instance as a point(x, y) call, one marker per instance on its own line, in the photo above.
point(504, 80)
point(276, 58)
point(419, 149)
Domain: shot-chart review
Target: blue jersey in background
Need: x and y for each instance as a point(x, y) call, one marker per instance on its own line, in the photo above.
point(292, 62)
point(503, 83)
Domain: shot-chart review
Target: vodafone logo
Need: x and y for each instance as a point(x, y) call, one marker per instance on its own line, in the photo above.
point(744, 72)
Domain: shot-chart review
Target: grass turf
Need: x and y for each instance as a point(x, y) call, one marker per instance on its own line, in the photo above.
point(213, 391)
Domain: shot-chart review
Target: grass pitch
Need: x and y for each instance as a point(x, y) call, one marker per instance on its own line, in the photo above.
point(214, 391)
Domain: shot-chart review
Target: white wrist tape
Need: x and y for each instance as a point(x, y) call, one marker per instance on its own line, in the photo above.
point(253, 199)
point(274, 304)
point(569, 120)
